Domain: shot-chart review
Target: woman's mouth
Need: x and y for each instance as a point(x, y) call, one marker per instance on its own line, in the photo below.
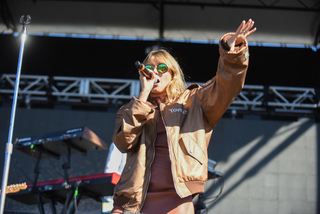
point(156, 81)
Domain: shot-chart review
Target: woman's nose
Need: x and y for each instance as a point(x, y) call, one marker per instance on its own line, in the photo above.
point(155, 70)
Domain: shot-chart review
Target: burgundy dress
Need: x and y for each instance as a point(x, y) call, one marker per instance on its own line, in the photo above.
point(162, 197)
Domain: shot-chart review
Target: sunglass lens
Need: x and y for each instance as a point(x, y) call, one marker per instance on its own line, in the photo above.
point(162, 68)
point(149, 67)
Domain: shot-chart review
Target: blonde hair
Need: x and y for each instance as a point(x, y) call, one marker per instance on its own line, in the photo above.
point(177, 84)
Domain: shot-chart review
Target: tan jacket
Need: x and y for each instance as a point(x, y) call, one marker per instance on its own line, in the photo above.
point(189, 122)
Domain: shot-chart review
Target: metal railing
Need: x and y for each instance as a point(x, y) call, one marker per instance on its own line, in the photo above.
point(70, 89)
point(253, 99)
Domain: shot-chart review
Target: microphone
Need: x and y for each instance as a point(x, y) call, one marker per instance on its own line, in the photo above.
point(145, 71)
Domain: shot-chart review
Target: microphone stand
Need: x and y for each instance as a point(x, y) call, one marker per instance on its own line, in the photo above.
point(24, 20)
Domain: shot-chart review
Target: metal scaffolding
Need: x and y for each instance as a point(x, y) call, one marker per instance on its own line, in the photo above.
point(254, 99)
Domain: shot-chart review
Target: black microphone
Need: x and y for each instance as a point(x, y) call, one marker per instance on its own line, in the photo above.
point(146, 72)
point(141, 67)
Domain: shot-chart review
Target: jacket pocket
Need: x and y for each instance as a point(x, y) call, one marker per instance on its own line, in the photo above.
point(191, 160)
point(192, 149)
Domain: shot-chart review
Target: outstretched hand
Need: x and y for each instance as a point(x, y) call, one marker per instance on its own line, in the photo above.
point(243, 31)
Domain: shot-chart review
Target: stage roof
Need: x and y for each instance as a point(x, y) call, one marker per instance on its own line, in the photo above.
point(282, 22)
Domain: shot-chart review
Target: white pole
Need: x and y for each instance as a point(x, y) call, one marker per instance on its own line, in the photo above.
point(8, 151)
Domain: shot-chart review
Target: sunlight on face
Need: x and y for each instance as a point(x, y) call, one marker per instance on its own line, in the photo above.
point(159, 88)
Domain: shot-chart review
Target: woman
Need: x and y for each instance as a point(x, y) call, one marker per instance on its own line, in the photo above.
point(166, 131)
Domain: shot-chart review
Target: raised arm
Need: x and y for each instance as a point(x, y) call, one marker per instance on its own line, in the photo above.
point(218, 94)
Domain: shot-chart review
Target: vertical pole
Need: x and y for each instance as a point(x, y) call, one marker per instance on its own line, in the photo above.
point(8, 151)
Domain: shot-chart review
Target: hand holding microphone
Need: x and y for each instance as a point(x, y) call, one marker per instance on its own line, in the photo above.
point(145, 71)
point(146, 83)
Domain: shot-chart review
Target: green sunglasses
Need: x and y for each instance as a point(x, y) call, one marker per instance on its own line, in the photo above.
point(162, 68)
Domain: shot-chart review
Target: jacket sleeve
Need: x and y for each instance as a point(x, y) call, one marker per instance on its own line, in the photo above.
point(218, 93)
point(129, 124)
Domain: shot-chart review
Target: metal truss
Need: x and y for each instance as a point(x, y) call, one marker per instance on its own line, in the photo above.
point(254, 99)
point(276, 100)
point(70, 90)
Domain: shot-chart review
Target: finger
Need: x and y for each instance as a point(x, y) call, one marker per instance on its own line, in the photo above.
point(140, 74)
point(143, 78)
point(248, 25)
point(251, 31)
point(240, 28)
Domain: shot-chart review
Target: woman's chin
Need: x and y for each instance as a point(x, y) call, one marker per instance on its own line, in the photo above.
point(157, 93)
